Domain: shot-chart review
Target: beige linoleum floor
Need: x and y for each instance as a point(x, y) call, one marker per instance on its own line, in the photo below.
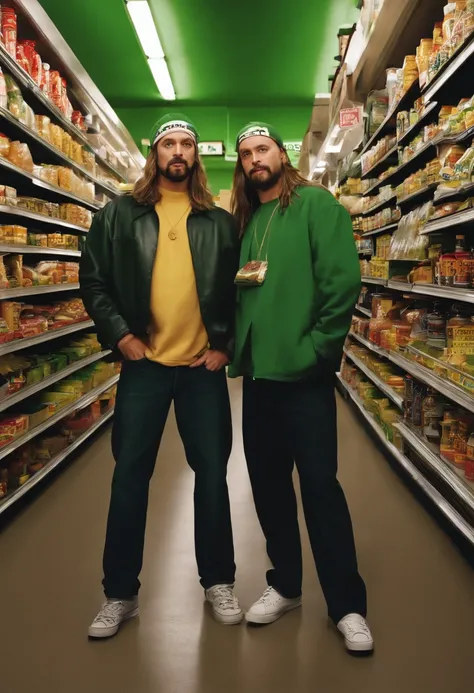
point(421, 591)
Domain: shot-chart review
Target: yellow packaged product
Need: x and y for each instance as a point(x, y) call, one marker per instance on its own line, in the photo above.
point(43, 127)
point(10, 312)
point(66, 178)
point(66, 144)
point(57, 136)
point(76, 152)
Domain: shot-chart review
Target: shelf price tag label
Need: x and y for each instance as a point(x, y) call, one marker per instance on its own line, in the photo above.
point(350, 117)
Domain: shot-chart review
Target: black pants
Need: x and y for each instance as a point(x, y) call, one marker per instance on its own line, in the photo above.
point(284, 424)
point(202, 408)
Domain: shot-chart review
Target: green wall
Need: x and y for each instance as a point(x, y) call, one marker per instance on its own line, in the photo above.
point(222, 124)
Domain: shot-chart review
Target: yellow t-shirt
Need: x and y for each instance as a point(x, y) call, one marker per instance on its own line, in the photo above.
point(177, 333)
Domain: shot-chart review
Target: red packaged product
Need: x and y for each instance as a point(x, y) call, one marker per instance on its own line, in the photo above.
point(22, 59)
point(64, 95)
point(45, 80)
point(56, 88)
point(9, 30)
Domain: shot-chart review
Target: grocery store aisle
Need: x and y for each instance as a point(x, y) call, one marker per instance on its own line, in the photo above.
point(421, 591)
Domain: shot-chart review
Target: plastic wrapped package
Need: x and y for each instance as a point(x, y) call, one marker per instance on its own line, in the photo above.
point(89, 162)
point(16, 103)
point(20, 156)
point(3, 90)
point(21, 58)
point(9, 30)
point(4, 146)
point(57, 136)
point(43, 127)
point(76, 152)
point(48, 173)
point(88, 190)
point(67, 179)
point(66, 144)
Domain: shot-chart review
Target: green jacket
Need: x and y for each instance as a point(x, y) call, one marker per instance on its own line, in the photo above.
point(297, 321)
point(117, 264)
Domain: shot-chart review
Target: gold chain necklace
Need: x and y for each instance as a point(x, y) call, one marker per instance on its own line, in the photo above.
point(265, 234)
point(172, 235)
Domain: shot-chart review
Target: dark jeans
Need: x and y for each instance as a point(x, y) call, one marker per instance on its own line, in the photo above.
point(202, 407)
point(284, 424)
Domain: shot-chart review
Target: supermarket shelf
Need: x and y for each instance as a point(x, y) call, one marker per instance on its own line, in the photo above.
point(465, 217)
point(383, 387)
point(379, 165)
point(463, 295)
point(373, 188)
point(383, 229)
point(80, 403)
point(37, 250)
point(24, 214)
point(436, 497)
point(366, 252)
point(400, 286)
point(418, 194)
point(404, 170)
point(380, 205)
point(445, 387)
point(371, 280)
point(36, 290)
point(368, 345)
point(461, 488)
point(388, 125)
point(19, 128)
point(406, 137)
point(52, 189)
point(26, 81)
point(46, 382)
point(364, 311)
point(449, 70)
point(19, 344)
point(55, 462)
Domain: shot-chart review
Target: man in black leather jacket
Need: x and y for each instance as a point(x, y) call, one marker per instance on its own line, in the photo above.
point(157, 278)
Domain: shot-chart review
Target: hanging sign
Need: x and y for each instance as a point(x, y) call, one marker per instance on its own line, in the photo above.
point(211, 148)
point(350, 117)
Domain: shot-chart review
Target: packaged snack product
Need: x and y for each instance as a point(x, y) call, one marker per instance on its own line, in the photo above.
point(20, 156)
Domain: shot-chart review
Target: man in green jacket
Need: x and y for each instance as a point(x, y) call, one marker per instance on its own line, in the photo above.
point(298, 284)
point(157, 278)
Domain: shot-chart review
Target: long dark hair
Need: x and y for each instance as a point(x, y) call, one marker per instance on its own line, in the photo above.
point(146, 190)
point(245, 199)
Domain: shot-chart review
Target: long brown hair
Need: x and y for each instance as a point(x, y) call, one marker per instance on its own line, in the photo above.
point(146, 190)
point(245, 199)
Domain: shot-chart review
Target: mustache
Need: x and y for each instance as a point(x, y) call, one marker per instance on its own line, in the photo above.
point(260, 168)
point(177, 160)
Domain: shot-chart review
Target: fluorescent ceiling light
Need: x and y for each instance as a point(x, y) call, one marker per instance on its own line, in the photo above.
point(160, 72)
point(144, 24)
point(140, 14)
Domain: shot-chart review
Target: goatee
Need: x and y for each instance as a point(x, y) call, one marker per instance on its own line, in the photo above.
point(268, 183)
point(176, 176)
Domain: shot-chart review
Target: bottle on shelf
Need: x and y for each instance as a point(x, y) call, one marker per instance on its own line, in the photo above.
point(462, 266)
point(432, 415)
point(437, 328)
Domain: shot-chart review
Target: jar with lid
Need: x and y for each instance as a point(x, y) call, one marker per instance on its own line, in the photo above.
point(458, 319)
point(432, 415)
point(437, 328)
point(462, 273)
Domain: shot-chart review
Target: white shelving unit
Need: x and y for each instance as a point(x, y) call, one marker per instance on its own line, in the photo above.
point(80, 403)
point(7, 294)
point(384, 229)
point(383, 387)
point(15, 496)
point(372, 280)
point(46, 382)
point(19, 344)
point(436, 497)
point(8, 210)
point(37, 250)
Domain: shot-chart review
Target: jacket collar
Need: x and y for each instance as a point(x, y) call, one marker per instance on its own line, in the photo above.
point(141, 210)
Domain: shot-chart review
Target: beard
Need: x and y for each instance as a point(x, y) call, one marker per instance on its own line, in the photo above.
point(265, 184)
point(176, 176)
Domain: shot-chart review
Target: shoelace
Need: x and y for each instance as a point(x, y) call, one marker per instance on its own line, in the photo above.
point(268, 596)
point(226, 598)
point(109, 612)
point(357, 626)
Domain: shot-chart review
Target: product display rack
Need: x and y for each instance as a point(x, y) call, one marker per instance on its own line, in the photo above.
point(16, 495)
point(113, 139)
point(39, 219)
point(80, 403)
point(46, 382)
point(393, 396)
point(20, 344)
point(440, 501)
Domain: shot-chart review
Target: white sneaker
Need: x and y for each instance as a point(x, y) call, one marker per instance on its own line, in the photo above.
point(225, 605)
point(356, 633)
point(270, 607)
point(113, 613)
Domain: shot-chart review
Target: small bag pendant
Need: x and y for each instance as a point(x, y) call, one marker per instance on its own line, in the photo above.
point(252, 274)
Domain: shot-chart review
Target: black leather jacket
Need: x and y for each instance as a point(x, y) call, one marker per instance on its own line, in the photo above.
point(117, 264)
